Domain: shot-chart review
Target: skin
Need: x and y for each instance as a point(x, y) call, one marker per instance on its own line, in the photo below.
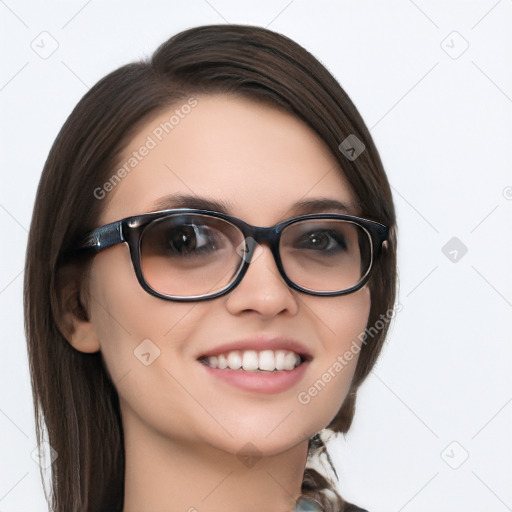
point(189, 437)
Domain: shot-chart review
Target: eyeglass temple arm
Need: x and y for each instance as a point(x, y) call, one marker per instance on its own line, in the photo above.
point(382, 238)
point(383, 233)
point(102, 238)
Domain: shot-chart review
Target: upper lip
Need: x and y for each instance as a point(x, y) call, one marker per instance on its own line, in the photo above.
point(259, 344)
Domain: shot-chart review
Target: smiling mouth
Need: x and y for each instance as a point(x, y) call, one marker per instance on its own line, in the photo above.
point(264, 361)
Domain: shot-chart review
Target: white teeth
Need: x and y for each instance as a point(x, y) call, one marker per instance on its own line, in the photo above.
point(280, 355)
point(251, 360)
point(266, 361)
point(289, 360)
point(223, 362)
point(234, 360)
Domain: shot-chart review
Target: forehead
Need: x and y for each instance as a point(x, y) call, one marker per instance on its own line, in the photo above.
point(256, 159)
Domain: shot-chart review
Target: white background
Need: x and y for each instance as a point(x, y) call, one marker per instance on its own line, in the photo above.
point(442, 122)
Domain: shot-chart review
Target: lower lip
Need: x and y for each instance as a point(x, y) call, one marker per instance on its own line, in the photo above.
point(259, 382)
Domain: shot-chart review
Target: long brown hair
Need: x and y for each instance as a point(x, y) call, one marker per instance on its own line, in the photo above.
point(74, 398)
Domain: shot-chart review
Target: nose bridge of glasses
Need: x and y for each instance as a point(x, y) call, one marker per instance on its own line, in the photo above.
point(255, 237)
point(264, 235)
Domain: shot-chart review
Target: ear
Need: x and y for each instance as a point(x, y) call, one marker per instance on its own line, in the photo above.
point(72, 311)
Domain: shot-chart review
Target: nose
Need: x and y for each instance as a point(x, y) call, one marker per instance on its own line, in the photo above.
point(262, 290)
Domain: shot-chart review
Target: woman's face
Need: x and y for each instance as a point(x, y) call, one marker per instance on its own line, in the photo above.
point(260, 164)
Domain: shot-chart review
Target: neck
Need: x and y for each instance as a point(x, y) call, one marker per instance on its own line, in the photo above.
point(163, 475)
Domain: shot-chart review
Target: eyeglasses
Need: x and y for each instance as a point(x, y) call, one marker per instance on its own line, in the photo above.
point(190, 255)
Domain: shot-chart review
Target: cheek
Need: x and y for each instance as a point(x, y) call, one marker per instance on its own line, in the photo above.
point(141, 338)
point(342, 322)
point(349, 319)
point(132, 326)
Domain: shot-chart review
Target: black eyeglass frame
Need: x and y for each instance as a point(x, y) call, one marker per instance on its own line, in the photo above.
point(130, 230)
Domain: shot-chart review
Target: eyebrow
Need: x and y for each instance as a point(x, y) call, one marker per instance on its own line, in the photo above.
point(319, 206)
point(190, 201)
point(303, 207)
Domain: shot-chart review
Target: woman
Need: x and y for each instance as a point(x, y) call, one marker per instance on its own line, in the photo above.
point(212, 245)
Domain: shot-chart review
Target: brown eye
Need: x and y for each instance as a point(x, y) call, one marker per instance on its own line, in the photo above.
point(175, 239)
point(321, 240)
point(183, 240)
